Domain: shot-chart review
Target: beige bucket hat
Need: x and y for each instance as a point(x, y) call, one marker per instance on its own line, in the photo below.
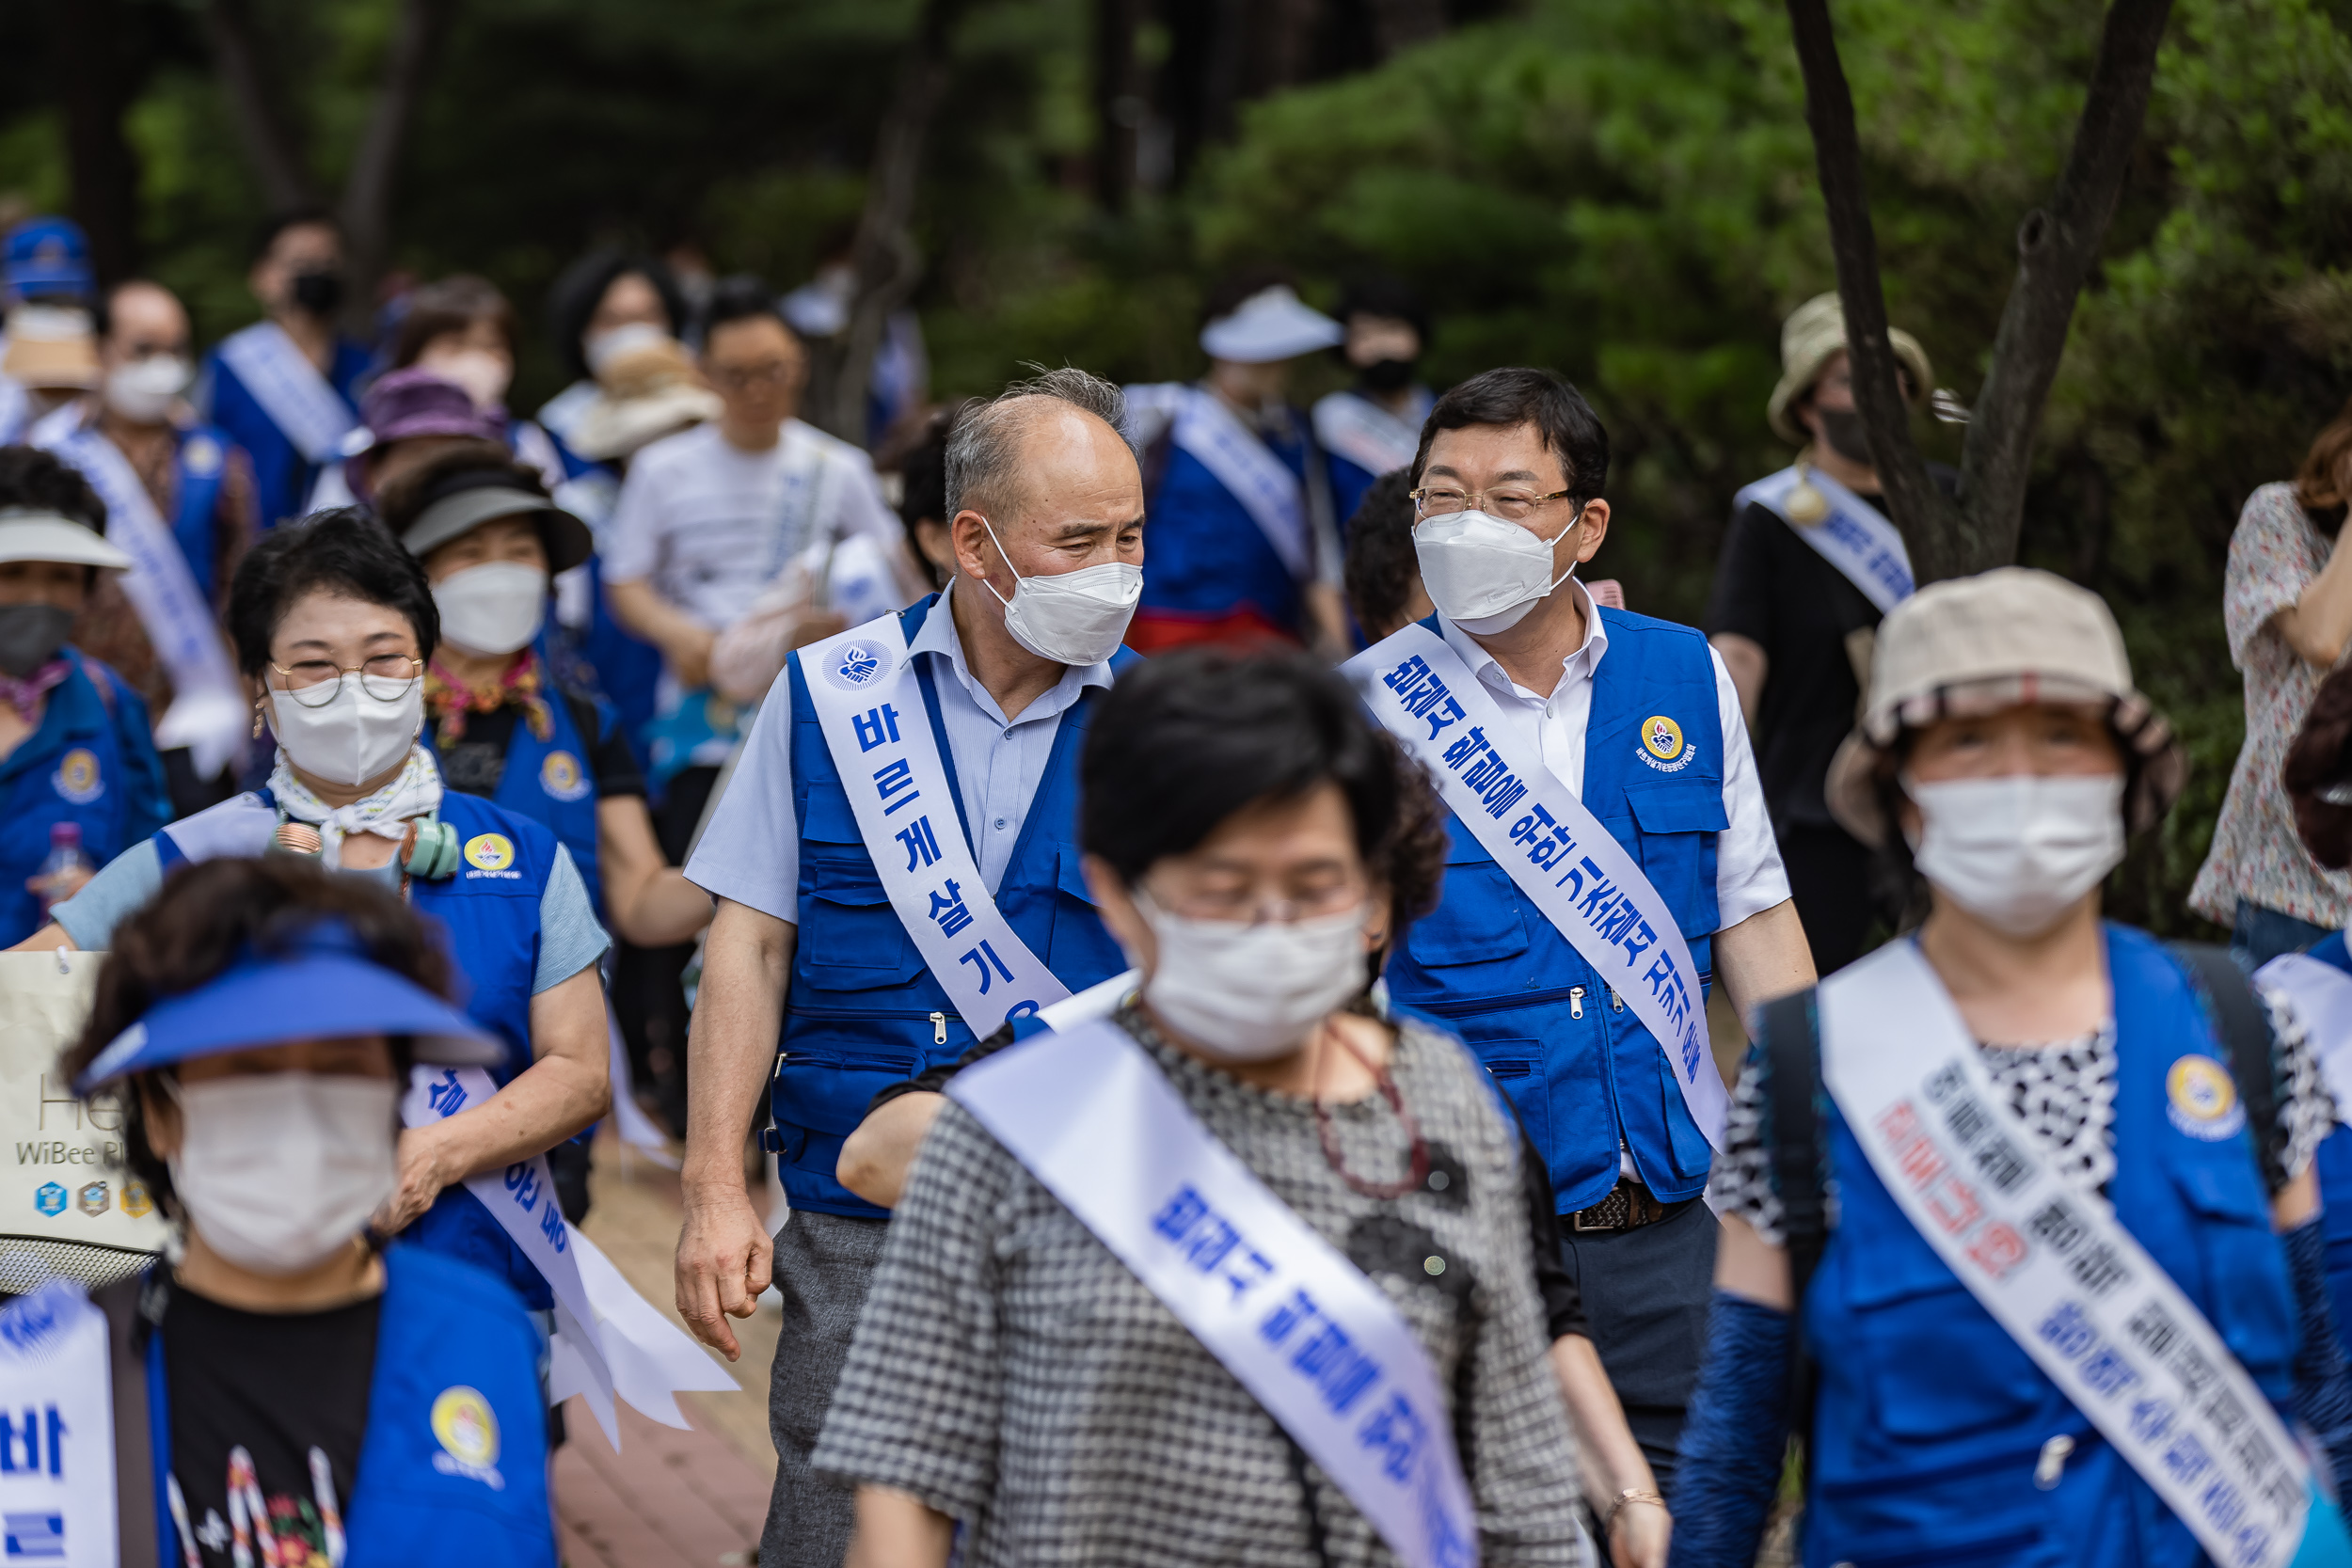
point(643, 394)
point(1998, 640)
point(1814, 332)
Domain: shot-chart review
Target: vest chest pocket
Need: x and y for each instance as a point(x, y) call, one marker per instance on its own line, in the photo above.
point(851, 938)
point(1676, 825)
point(1477, 920)
point(2246, 1294)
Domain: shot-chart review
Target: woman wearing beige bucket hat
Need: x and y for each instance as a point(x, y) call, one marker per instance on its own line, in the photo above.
point(2002, 1201)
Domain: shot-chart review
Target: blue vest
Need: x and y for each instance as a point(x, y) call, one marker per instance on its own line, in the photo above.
point(863, 1011)
point(628, 668)
point(1931, 1417)
point(491, 918)
point(201, 464)
point(282, 477)
point(91, 761)
point(446, 1332)
point(549, 782)
point(2334, 1164)
point(1209, 556)
point(1495, 971)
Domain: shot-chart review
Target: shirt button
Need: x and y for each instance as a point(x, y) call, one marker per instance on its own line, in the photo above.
point(1000, 824)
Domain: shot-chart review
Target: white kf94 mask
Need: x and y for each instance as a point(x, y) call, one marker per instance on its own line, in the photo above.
point(495, 607)
point(1484, 572)
point(351, 737)
point(1074, 617)
point(1249, 993)
point(279, 1171)
point(2018, 852)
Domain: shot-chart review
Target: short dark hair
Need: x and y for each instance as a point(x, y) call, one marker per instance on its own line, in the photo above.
point(1381, 565)
point(1184, 742)
point(1543, 399)
point(42, 481)
point(1379, 295)
point(265, 232)
point(345, 550)
point(451, 305)
point(209, 915)
point(741, 297)
point(580, 288)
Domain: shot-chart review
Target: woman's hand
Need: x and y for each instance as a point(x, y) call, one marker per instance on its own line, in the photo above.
point(1639, 1533)
point(424, 1170)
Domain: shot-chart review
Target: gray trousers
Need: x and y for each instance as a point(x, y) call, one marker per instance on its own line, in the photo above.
point(1647, 1292)
point(824, 1264)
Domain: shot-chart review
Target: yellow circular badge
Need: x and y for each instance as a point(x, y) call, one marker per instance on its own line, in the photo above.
point(561, 776)
point(1662, 737)
point(76, 778)
point(467, 1428)
point(2205, 1102)
point(490, 851)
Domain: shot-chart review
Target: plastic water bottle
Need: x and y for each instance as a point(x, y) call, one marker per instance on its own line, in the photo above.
point(66, 854)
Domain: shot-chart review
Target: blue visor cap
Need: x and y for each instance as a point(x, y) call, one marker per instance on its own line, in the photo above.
point(321, 987)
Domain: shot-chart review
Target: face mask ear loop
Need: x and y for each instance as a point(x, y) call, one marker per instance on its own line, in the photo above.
point(1003, 557)
point(1573, 564)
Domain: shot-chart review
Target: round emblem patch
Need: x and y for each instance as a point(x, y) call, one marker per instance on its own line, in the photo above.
point(490, 851)
point(1662, 737)
point(853, 665)
point(560, 775)
point(201, 454)
point(77, 777)
point(466, 1427)
point(2204, 1101)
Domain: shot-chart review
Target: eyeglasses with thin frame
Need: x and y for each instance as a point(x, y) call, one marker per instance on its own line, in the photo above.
point(316, 682)
point(1444, 500)
point(774, 373)
point(1243, 907)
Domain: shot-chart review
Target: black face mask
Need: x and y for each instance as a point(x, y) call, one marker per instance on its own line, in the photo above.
point(1385, 375)
point(318, 293)
point(1842, 429)
point(30, 634)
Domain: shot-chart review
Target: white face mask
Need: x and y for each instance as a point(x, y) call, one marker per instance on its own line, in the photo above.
point(2018, 852)
point(1484, 572)
point(144, 390)
point(351, 737)
point(1074, 618)
point(494, 608)
point(279, 1171)
point(1249, 993)
point(483, 372)
point(601, 348)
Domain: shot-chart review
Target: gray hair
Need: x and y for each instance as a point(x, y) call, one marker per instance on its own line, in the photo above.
point(984, 448)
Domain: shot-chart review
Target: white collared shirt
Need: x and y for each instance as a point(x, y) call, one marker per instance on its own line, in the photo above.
point(751, 851)
point(1749, 876)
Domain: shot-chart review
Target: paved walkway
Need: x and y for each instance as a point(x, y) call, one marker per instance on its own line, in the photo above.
point(669, 1498)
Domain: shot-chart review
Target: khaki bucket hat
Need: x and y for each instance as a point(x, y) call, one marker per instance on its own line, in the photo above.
point(1814, 332)
point(1999, 640)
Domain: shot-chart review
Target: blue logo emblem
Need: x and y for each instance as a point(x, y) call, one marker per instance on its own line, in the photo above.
point(49, 1199)
point(853, 665)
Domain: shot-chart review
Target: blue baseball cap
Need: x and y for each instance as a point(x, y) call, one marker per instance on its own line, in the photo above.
point(320, 986)
point(47, 256)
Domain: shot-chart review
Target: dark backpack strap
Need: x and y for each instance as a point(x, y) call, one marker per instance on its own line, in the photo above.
point(138, 1537)
point(1791, 1032)
point(2242, 1023)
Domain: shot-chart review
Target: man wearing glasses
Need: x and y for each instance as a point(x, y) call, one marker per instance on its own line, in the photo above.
point(1612, 857)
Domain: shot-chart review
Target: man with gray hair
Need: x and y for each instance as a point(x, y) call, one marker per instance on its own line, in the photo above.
point(897, 874)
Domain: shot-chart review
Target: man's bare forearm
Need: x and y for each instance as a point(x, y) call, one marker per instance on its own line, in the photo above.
point(737, 1019)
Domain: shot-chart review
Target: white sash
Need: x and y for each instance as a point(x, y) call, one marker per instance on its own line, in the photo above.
point(1298, 1325)
point(208, 713)
point(2051, 1264)
point(608, 1341)
point(869, 703)
point(56, 1430)
point(2321, 995)
point(1556, 852)
point(1249, 471)
point(1366, 433)
point(1855, 537)
point(300, 402)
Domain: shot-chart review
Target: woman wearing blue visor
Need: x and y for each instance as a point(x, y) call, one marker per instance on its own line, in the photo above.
point(284, 1391)
point(334, 624)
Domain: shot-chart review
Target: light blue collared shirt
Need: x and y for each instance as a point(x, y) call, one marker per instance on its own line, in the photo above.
point(751, 851)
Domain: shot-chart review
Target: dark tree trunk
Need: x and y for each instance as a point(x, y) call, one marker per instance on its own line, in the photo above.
point(2057, 245)
point(1119, 102)
point(888, 264)
point(262, 116)
point(1401, 24)
point(367, 205)
point(95, 87)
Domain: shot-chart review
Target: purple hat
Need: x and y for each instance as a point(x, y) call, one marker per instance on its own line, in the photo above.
point(415, 402)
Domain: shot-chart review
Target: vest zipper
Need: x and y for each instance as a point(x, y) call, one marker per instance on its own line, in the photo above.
point(1576, 1000)
point(1616, 1003)
point(939, 1028)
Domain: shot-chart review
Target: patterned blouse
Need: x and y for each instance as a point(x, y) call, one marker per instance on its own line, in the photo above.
point(2256, 856)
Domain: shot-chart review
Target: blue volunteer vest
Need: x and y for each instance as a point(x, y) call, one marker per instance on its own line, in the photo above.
point(90, 761)
point(1209, 556)
point(202, 464)
point(435, 1478)
point(490, 910)
point(863, 1011)
point(1499, 975)
point(549, 782)
point(282, 477)
point(2334, 1164)
point(1931, 1417)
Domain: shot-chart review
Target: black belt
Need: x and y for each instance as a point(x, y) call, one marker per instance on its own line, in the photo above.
point(1629, 1206)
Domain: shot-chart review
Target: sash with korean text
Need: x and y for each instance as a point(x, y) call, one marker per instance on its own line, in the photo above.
point(868, 702)
point(207, 712)
point(56, 1430)
point(2049, 1260)
point(1314, 1341)
point(1853, 536)
point(1200, 423)
point(300, 402)
point(1369, 436)
point(609, 1340)
point(1557, 853)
